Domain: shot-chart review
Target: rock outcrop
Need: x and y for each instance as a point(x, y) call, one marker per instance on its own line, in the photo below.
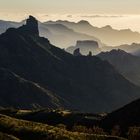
point(32, 25)
point(77, 52)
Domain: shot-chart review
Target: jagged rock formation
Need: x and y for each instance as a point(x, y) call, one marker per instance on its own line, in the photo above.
point(77, 52)
point(32, 25)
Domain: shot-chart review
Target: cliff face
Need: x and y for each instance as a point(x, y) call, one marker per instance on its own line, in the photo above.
point(32, 25)
point(84, 83)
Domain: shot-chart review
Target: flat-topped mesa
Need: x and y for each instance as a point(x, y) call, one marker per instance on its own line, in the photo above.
point(87, 43)
point(32, 25)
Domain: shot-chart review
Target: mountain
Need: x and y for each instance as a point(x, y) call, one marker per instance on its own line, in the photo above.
point(55, 33)
point(133, 48)
point(107, 34)
point(84, 83)
point(77, 52)
point(127, 64)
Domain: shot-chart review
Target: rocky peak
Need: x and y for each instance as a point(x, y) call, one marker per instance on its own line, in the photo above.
point(77, 52)
point(32, 25)
point(30, 28)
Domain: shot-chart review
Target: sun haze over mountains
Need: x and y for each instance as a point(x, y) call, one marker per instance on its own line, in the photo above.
point(98, 13)
point(69, 70)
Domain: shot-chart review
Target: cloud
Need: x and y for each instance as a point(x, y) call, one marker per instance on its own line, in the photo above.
point(101, 16)
point(69, 16)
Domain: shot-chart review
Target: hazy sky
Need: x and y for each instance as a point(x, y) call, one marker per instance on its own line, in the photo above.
point(97, 12)
point(72, 6)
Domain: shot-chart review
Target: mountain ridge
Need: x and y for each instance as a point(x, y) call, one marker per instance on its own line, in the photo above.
point(84, 83)
point(126, 63)
point(107, 35)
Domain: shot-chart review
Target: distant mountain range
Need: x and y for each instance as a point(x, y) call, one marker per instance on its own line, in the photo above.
point(127, 64)
point(4, 25)
point(63, 36)
point(56, 31)
point(89, 46)
point(84, 83)
point(133, 48)
point(107, 35)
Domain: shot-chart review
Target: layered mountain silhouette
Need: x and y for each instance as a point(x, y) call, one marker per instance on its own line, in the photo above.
point(85, 47)
point(63, 36)
point(58, 34)
point(107, 34)
point(133, 48)
point(127, 64)
point(53, 77)
point(56, 31)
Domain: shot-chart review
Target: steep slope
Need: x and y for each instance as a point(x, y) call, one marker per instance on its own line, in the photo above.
point(107, 34)
point(20, 93)
point(127, 64)
point(85, 83)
